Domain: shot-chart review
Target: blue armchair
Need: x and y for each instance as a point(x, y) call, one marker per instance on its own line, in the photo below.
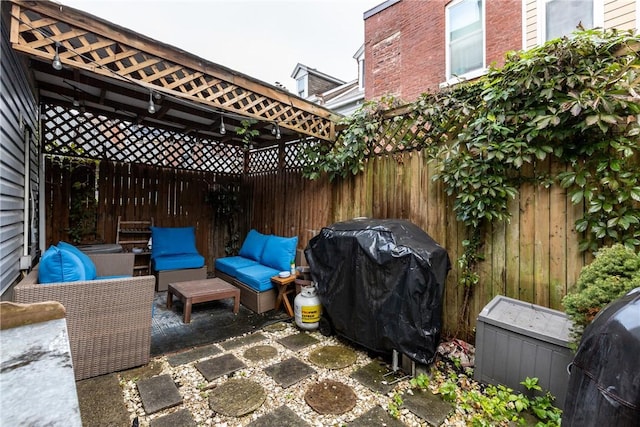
point(174, 257)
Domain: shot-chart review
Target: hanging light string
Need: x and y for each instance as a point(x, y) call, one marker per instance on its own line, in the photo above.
point(57, 65)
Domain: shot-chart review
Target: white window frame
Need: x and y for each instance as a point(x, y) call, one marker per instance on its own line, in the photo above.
point(305, 85)
point(598, 18)
point(451, 80)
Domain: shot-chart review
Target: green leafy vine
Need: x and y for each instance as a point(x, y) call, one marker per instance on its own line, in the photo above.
point(574, 100)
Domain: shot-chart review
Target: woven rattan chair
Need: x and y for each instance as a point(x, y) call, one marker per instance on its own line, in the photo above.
point(109, 320)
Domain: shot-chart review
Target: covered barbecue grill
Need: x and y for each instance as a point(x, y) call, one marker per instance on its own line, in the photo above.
point(604, 385)
point(381, 284)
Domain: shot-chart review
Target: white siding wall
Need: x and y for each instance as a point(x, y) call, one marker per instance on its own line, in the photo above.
point(18, 112)
point(621, 14)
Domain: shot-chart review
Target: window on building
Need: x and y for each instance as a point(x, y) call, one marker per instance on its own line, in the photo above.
point(465, 37)
point(563, 16)
point(302, 86)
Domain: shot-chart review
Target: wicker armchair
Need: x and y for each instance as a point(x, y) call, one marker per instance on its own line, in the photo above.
point(109, 320)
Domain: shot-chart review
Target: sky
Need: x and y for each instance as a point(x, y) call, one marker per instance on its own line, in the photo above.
point(264, 39)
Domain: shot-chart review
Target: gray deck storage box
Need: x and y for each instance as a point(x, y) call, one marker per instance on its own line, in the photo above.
point(516, 340)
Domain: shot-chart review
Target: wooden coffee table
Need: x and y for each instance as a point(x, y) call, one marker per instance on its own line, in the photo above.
point(195, 291)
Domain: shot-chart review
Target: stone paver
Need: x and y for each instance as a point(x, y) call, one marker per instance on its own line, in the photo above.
point(289, 371)
point(376, 416)
point(330, 397)
point(239, 342)
point(428, 406)
point(236, 398)
point(193, 354)
point(100, 398)
point(158, 393)
point(297, 342)
point(180, 418)
point(260, 353)
point(276, 327)
point(372, 376)
point(333, 357)
point(219, 366)
point(281, 417)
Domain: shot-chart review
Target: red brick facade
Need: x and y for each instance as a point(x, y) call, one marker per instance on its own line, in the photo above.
point(405, 50)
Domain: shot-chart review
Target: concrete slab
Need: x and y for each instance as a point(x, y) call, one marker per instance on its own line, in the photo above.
point(333, 357)
point(242, 341)
point(260, 353)
point(281, 417)
point(237, 397)
point(180, 418)
point(219, 366)
point(289, 372)
point(158, 393)
point(372, 376)
point(193, 355)
point(376, 416)
point(101, 403)
point(213, 322)
point(428, 406)
point(299, 341)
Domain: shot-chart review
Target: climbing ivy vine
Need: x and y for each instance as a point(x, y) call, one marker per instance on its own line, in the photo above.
point(574, 99)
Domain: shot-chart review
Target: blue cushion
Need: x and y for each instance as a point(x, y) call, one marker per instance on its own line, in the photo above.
point(57, 265)
point(173, 241)
point(279, 252)
point(230, 265)
point(89, 266)
point(253, 245)
point(257, 276)
point(177, 262)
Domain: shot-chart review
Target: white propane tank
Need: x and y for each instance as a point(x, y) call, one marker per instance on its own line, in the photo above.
point(307, 308)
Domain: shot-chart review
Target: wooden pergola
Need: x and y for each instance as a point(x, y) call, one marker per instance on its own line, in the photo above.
point(110, 75)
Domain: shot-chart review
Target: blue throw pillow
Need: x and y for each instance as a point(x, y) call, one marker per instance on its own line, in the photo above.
point(173, 241)
point(89, 267)
point(279, 252)
point(58, 265)
point(253, 245)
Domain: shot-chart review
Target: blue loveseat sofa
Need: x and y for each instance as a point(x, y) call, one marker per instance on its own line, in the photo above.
point(174, 257)
point(260, 258)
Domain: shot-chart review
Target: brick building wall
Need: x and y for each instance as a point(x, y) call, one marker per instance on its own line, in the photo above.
point(405, 47)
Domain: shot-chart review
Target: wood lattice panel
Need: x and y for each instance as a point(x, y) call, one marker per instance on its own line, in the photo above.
point(400, 132)
point(263, 160)
point(74, 134)
point(97, 46)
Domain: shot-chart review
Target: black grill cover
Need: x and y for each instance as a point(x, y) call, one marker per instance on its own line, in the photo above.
point(381, 283)
point(604, 385)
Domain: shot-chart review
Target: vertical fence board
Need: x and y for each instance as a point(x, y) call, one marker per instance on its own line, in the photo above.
point(526, 238)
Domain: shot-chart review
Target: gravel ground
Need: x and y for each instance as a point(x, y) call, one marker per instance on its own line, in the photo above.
point(194, 388)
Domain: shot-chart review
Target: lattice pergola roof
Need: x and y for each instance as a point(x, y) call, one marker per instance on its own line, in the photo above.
point(112, 71)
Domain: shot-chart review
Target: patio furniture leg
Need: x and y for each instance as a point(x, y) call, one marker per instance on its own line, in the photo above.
point(187, 310)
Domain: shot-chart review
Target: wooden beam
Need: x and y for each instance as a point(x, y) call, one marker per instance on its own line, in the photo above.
point(148, 62)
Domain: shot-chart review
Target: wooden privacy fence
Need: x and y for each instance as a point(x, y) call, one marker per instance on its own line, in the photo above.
point(533, 258)
point(173, 198)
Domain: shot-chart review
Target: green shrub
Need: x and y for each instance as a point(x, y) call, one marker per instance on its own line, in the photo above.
point(613, 273)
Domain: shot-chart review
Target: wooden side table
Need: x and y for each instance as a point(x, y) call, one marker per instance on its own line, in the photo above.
point(284, 289)
point(195, 291)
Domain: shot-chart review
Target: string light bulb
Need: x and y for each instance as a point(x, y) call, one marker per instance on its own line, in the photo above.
point(152, 107)
point(56, 64)
point(223, 130)
point(277, 131)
